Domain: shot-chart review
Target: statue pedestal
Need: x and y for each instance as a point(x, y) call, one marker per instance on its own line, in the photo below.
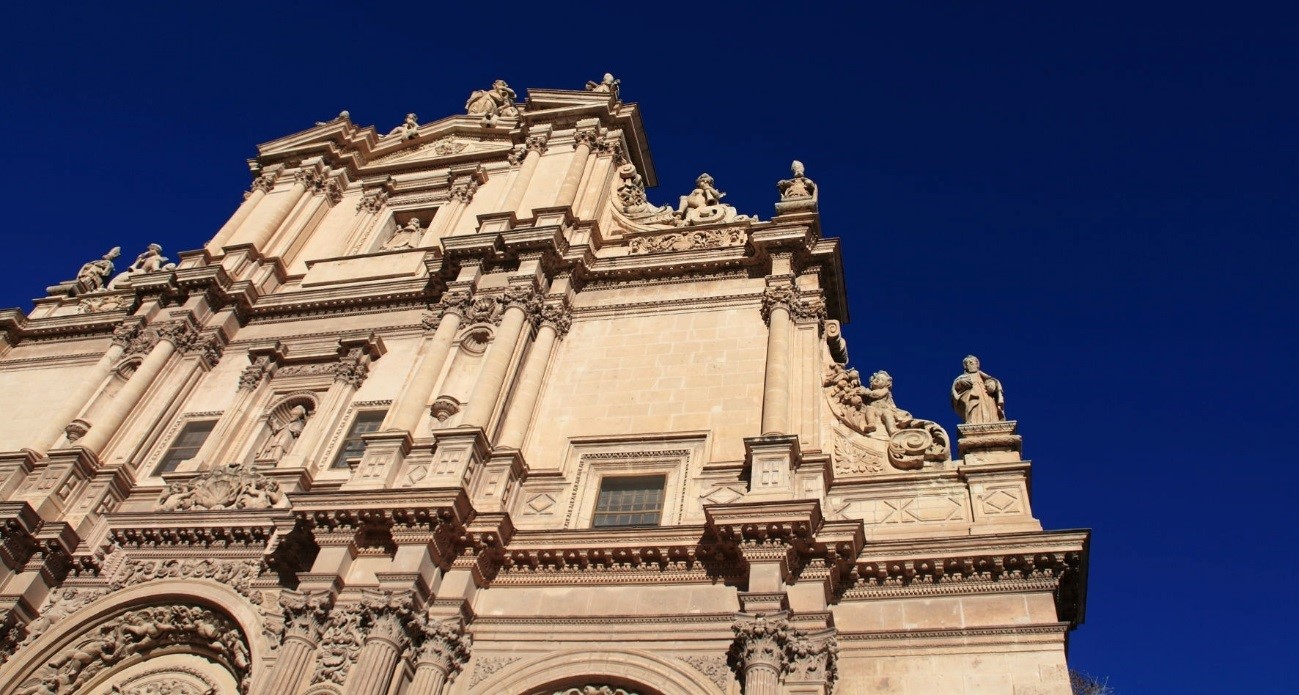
point(989, 442)
point(771, 460)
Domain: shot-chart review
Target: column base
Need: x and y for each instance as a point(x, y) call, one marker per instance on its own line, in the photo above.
point(384, 454)
point(770, 461)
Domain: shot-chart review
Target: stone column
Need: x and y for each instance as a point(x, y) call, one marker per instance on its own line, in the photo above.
point(555, 320)
point(582, 141)
point(410, 404)
point(442, 651)
point(536, 146)
point(261, 187)
point(760, 646)
point(776, 303)
point(52, 431)
point(520, 302)
point(292, 665)
point(377, 660)
point(168, 338)
point(261, 226)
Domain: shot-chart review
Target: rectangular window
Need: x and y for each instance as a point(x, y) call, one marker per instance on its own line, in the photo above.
point(629, 501)
point(186, 445)
point(353, 445)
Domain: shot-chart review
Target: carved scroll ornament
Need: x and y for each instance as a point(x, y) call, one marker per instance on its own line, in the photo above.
point(872, 412)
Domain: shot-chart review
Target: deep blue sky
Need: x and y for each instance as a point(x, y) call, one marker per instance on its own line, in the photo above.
point(1098, 200)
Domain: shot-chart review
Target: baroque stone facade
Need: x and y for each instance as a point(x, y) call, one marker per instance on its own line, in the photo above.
point(455, 408)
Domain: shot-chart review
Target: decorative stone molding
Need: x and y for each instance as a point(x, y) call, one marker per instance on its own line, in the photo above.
point(236, 574)
point(353, 368)
point(688, 241)
point(139, 633)
point(486, 666)
point(559, 316)
point(226, 487)
point(443, 643)
point(853, 459)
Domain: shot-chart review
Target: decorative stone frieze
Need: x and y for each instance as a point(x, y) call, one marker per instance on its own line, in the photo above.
point(236, 574)
point(689, 241)
point(139, 633)
point(226, 487)
point(62, 602)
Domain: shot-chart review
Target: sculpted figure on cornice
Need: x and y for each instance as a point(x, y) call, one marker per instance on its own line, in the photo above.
point(227, 487)
point(150, 261)
point(408, 129)
point(93, 275)
point(872, 412)
point(607, 84)
point(284, 433)
point(141, 632)
point(704, 205)
point(799, 187)
point(406, 237)
point(495, 102)
point(977, 397)
point(632, 202)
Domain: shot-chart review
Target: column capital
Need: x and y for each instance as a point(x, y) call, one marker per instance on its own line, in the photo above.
point(760, 642)
point(778, 296)
point(263, 183)
point(441, 643)
point(456, 302)
point(305, 614)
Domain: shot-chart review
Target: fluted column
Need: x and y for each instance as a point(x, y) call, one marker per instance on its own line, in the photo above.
point(536, 146)
point(52, 430)
point(582, 140)
point(775, 396)
point(169, 337)
point(292, 665)
point(261, 226)
point(441, 653)
point(377, 660)
point(412, 401)
point(760, 644)
point(555, 320)
point(261, 187)
point(519, 303)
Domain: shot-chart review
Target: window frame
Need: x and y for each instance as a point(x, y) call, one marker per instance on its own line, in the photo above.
point(159, 468)
point(600, 497)
point(340, 462)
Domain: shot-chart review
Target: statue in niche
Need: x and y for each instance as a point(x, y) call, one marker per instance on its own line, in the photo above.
point(976, 396)
point(283, 434)
point(497, 101)
point(150, 261)
point(93, 275)
point(799, 187)
point(409, 128)
point(607, 84)
point(406, 237)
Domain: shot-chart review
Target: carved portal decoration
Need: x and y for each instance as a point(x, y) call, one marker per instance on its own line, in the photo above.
point(226, 487)
point(977, 397)
point(492, 103)
point(690, 240)
point(870, 411)
point(236, 574)
point(150, 261)
point(595, 690)
point(141, 632)
point(62, 602)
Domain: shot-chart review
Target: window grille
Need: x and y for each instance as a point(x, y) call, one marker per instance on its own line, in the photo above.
point(629, 501)
point(353, 445)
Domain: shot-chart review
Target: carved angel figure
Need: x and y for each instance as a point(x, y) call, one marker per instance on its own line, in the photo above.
point(497, 101)
point(976, 396)
point(92, 275)
point(703, 204)
point(284, 435)
point(409, 128)
point(880, 408)
point(406, 237)
point(150, 261)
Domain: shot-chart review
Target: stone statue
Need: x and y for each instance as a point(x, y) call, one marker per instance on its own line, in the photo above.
point(880, 408)
point(608, 84)
point(409, 128)
point(284, 435)
point(92, 276)
point(976, 396)
point(704, 204)
point(226, 487)
point(406, 237)
point(798, 187)
point(150, 261)
point(497, 101)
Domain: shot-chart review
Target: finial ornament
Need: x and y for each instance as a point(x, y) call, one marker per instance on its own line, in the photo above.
point(977, 397)
point(493, 103)
point(608, 84)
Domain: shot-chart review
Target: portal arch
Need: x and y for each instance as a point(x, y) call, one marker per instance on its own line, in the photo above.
point(635, 671)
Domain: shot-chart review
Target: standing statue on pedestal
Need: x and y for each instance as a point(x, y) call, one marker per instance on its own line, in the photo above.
point(284, 435)
point(608, 83)
point(93, 275)
point(798, 187)
point(977, 397)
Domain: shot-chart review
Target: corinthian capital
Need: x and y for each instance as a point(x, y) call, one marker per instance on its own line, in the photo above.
point(560, 316)
point(778, 296)
point(761, 642)
point(584, 137)
point(263, 183)
point(443, 644)
point(452, 302)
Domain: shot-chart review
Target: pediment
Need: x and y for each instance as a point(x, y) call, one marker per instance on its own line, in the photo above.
point(446, 146)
